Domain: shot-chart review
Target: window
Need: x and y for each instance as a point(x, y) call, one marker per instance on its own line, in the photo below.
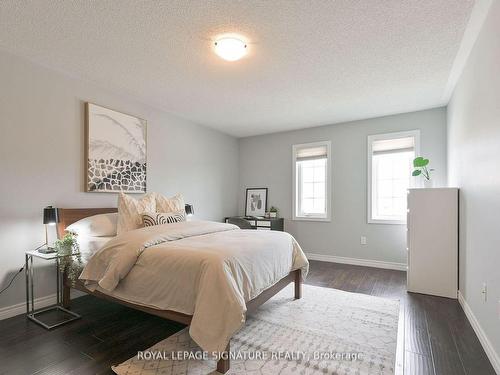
point(311, 174)
point(390, 158)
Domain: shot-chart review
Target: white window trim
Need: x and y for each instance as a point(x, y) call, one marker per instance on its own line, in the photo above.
point(371, 138)
point(328, 179)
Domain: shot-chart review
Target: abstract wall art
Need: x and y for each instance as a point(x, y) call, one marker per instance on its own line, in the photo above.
point(115, 151)
point(256, 202)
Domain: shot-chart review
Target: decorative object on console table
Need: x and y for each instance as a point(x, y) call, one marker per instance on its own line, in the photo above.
point(115, 151)
point(257, 223)
point(50, 217)
point(256, 202)
point(36, 315)
point(273, 212)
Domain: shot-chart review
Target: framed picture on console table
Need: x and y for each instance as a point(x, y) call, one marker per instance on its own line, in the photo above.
point(115, 151)
point(256, 202)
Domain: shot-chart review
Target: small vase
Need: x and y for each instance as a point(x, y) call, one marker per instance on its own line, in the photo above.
point(273, 215)
point(428, 184)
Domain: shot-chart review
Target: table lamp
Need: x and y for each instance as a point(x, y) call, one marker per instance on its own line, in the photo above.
point(50, 217)
point(189, 209)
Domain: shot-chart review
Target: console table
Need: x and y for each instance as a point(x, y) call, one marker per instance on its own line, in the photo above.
point(262, 223)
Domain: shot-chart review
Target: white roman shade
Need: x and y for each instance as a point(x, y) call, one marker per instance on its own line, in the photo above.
point(311, 181)
point(312, 153)
point(386, 146)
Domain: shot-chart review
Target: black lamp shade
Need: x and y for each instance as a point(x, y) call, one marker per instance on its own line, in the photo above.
point(50, 215)
point(189, 209)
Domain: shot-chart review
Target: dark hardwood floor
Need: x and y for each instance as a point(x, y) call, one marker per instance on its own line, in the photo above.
point(438, 338)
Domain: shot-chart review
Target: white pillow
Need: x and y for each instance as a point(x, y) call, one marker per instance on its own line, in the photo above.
point(150, 219)
point(164, 204)
point(102, 225)
point(130, 211)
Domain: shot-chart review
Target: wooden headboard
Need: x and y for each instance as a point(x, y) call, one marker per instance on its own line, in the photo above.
point(68, 216)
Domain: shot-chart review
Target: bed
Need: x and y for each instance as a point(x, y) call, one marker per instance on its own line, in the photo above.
point(218, 272)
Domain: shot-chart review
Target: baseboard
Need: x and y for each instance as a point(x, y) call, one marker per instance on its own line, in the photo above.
point(41, 302)
point(20, 308)
point(357, 261)
point(483, 339)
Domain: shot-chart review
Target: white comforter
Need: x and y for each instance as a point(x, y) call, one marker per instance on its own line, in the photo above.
point(205, 269)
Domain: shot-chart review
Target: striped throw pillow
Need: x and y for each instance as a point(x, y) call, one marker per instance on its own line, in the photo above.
point(158, 218)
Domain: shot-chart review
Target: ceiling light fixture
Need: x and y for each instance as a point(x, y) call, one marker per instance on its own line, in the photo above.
point(230, 48)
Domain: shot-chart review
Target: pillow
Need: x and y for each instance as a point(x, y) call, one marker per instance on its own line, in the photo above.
point(174, 204)
point(151, 219)
point(130, 211)
point(102, 225)
point(89, 245)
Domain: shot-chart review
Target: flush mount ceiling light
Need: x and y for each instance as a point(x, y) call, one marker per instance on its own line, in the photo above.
point(230, 48)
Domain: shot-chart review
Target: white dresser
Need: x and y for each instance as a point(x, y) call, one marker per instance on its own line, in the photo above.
point(432, 241)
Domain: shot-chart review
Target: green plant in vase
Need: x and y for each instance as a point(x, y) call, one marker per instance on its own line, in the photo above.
point(420, 166)
point(273, 212)
point(70, 260)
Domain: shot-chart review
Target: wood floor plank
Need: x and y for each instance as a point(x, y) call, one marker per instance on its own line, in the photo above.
point(418, 364)
point(446, 362)
point(65, 366)
point(354, 277)
point(469, 348)
point(416, 338)
point(382, 282)
point(367, 283)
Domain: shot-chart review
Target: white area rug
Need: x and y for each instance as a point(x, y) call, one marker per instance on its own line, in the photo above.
point(328, 331)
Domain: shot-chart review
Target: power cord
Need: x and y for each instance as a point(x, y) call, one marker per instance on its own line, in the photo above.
point(14, 277)
point(12, 280)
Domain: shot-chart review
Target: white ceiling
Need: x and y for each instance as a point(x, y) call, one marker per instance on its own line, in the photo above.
point(310, 62)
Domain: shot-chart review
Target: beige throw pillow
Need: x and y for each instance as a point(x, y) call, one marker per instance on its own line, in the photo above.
point(174, 204)
point(130, 211)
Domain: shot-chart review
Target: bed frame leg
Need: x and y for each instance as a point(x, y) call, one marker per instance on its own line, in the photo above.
point(298, 284)
point(66, 292)
point(223, 364)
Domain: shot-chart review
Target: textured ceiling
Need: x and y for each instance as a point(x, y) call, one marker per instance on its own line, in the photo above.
point(310, 62)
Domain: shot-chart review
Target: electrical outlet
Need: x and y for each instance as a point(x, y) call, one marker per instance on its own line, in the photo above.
point(363, 240)
point(484, 292)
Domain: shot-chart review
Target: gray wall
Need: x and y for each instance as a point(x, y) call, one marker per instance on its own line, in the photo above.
point(41, 148)
point(474, 166)
point(266, 161)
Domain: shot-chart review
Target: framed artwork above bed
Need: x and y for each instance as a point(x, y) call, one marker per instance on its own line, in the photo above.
point(115, 151)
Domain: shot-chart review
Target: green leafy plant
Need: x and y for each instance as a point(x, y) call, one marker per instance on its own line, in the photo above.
point(273, 209)
point(420, 168)
point(70, 260)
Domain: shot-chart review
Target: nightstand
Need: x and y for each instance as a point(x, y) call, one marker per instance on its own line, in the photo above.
point(31, 312)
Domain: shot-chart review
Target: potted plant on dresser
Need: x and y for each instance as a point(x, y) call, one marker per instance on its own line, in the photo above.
point(273, 212)
point(420, 169)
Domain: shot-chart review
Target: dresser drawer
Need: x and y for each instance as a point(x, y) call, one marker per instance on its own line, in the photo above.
point(263, 228)
point(263, 223)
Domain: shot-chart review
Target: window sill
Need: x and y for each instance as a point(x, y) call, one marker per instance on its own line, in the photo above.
point(389, 222)
point(304, 218)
